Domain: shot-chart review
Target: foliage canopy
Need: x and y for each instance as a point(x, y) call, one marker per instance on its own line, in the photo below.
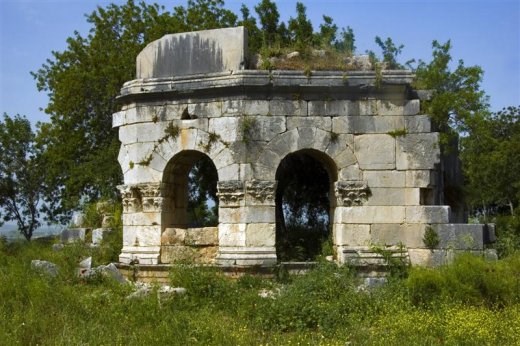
point(82, 82)
point(492, 166)
point(20, 175)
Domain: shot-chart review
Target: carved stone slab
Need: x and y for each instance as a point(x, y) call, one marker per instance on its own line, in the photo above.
point(261, 192)
point(143, 197)
point(351, 193)
point(230, 192)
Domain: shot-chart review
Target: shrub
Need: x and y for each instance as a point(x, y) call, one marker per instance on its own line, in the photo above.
point(112, 243)
point(508, 235)
point(318, 300)
point(468, 280)
point(91, 216)
point(431, 238)
point(425, 285)
point(199, 281)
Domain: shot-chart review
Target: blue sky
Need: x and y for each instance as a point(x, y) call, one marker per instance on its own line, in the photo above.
point(483, 32)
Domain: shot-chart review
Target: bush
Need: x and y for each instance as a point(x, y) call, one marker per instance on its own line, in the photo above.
point(508, 235)
point(112, 243)
point(200, 281)
point(426, 286)
point(469, 280)
point(318, 300)
point(91, 216)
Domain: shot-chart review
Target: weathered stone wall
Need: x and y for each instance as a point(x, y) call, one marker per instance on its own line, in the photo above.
point(192, 53)
point(379, 149)
point(197, 245)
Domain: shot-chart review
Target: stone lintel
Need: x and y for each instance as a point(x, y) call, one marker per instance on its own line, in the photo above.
point(369, 214)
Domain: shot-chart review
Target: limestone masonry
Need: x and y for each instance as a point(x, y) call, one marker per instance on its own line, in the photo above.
point(193, 97)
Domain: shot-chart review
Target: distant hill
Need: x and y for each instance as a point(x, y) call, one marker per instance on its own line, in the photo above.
point(10, 231)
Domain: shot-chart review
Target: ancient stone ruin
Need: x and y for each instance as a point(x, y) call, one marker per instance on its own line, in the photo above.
point(194, 97)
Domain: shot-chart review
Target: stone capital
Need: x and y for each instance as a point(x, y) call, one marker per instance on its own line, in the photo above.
point(351, 193)
point(261, 191)
point(230, 192)
point(131, 198)
point(143, 197)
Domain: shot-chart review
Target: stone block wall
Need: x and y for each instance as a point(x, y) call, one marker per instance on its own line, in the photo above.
point(381, 154)
point(194, 245)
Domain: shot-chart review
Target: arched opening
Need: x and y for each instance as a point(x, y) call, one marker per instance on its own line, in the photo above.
point(303, 205)
point(202, 194)
point(191, 181)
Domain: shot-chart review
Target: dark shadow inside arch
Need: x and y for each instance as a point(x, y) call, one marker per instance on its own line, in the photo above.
point(191, 177)
point(303, 206)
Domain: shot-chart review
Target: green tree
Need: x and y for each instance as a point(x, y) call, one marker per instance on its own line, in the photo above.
point(203, 15)
point(328, 32)
point(302, 206)
point(83, 82)
point(202, 193)
point(390, 53)
point(491, 157)
point(254, 41)
point(20, 175)
point(328, 37)
point(269, 17)
point(300, 28)
point(347, 41)
point(490, 152)
point(457, 96)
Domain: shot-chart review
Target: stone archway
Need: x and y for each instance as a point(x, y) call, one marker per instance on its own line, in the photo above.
point(304, 204)
point(183, 236)
point(381, 155)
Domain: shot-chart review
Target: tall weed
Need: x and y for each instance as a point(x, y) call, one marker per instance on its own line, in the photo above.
point(508, 235)
point(324, 306)
point(319, 300)
point(469, 280)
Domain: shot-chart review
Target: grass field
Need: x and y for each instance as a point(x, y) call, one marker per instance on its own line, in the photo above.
point(471, 302)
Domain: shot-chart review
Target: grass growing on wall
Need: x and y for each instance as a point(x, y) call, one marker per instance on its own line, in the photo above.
point(472, 302)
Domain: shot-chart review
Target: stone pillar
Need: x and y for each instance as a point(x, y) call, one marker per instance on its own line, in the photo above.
point(142, 208)
point(349, 194)
point(246, 223)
